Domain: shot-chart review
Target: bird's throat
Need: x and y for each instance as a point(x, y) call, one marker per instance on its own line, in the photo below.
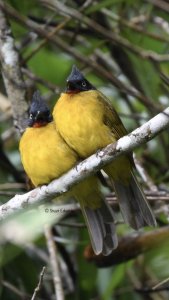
point(39, 124)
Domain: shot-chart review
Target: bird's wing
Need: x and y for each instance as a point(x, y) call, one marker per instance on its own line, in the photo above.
point(113, 121)
point(111, 118)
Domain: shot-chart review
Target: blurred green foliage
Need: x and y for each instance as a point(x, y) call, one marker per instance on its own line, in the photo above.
point(21, 263)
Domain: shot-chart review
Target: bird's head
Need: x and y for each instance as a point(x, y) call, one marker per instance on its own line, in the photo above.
point(76, 82)
point(39, 113)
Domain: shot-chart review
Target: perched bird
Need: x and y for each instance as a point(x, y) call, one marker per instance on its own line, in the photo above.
point(46, 156)
point(88, 122)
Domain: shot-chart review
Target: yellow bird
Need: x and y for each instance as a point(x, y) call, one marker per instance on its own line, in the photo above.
point(45, 156)
point(88, 122)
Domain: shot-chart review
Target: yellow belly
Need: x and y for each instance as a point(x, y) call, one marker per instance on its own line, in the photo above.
point(45, 155)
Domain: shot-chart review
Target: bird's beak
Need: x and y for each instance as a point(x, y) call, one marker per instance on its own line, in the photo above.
point(72, 87)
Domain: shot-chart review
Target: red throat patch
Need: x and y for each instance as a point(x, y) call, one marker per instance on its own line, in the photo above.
point(72, 92)
point(39, 124)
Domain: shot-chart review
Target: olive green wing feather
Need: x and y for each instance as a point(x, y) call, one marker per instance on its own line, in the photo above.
point(111, 118)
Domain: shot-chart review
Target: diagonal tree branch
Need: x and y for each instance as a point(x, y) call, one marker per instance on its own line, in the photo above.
point(90, 165)
point(11, 72)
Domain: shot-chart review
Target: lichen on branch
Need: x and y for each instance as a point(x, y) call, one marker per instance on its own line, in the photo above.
point(11, 71)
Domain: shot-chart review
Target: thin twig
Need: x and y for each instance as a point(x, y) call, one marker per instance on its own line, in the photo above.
point(15, 290)
point(53, 255)
point(160, 284)
point(144, 175)
point(163, 5)
point(43, 82)
point(133, 26)
point(37, 289)
point(10, 185)
point(42, 43)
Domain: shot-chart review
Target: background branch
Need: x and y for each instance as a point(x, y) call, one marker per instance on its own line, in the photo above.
point(129, 247)
point(12, 73)
point(54, 263)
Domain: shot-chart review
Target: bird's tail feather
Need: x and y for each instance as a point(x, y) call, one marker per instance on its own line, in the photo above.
point(101, 227)
point(133, 204)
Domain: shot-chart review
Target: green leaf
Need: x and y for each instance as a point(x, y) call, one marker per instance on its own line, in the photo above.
point(114, 281)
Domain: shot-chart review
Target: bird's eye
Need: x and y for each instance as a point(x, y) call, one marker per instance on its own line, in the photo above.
point(83, 83)
point(31, 116)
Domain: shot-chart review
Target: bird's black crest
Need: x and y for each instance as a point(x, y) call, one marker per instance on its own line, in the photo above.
point(75, 75)
point(76, 82)
point(39, 111)
point(38, 103)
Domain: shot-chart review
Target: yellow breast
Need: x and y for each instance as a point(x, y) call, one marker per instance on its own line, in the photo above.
point(79, 119)
point(44, 154)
